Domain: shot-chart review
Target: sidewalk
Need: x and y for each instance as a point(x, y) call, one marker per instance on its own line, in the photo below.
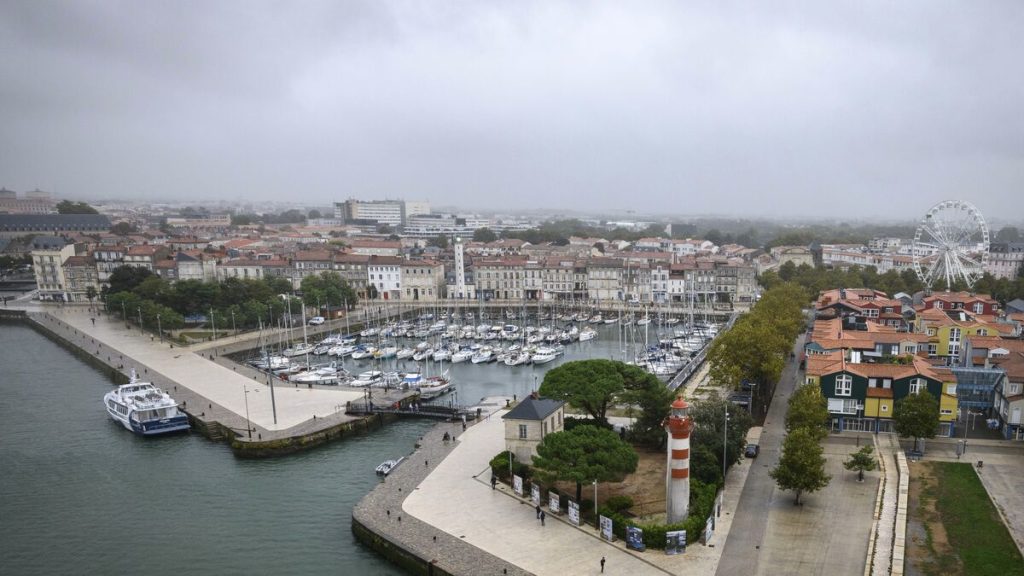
point(457, 499)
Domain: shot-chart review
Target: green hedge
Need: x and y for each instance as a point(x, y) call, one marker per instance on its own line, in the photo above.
point(702, 504)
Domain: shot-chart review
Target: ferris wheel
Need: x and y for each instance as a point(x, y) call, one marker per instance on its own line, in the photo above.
point(951, 244)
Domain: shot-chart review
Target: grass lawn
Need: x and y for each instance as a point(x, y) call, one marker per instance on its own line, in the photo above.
point(973, 527)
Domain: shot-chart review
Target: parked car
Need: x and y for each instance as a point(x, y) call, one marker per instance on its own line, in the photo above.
point(316, 320)
point(752, 451)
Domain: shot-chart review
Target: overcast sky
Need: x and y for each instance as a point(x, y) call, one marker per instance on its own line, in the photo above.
point(757, 108)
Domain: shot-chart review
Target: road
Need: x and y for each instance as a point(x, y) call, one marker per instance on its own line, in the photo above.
point(742, 554)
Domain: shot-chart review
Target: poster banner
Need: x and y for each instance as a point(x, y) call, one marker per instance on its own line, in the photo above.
point(709, 530)
point(606, 528)
point(517, 485)
point(675, 542)
point(635, 538)
point(574, 513)
point(553, 503)
point(535, 494)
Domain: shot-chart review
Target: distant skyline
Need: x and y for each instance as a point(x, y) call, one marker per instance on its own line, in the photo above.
point(781, 110)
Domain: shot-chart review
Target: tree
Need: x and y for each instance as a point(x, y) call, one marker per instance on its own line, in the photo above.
point(90, 293)
point(808, 409)
point(69, 207)
point(589, 385)
point(584, 454)
point(1008, 234)
point(484, 235)
point(709, 432)
point(327, 288)
point(126, 278)
point(861, 460)
point(123, 229)
point(801, 467)
point(917, 416)
point(440, 241)
point(314, 213)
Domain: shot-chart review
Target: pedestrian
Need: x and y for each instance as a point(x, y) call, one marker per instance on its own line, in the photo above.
point(494, 481)
point(542, 517)
point(602, 564)
point(538, 511)
point(93, 321)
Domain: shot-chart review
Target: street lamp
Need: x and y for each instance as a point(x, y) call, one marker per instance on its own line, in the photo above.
point(725, 444)
point(124, 313)
point(248, 423)
point(213, 323)
point(159, 328)
point(753, 397)
point(139, 309)
point(597, 519)
point(234, 330)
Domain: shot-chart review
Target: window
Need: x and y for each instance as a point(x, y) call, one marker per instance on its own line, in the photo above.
point(544, 429)
point(885, 407)
point(887, 383)
point(522, 431)
point(872, 382)
point(844, 385)
point(954, 335)
point(978, 308)
point(916, 385)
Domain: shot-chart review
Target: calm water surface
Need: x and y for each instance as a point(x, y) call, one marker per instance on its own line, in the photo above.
point(80, 494)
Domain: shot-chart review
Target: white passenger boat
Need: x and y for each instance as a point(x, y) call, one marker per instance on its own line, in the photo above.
point(144, 408)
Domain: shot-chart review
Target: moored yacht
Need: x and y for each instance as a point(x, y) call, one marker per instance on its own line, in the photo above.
point(144, 408)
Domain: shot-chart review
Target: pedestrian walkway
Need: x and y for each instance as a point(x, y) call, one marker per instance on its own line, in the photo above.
point(219, 386)
point(457, 498)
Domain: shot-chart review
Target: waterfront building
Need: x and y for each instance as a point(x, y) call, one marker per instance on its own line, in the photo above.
point(145, 256)
point(499, 279)
point(604, 279)
point(48, 256)
point(352, 268)
point(384, 273)
point(422, 280)
point(529, 422)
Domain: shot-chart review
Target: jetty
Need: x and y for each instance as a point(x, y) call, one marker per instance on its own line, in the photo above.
point(256, 414)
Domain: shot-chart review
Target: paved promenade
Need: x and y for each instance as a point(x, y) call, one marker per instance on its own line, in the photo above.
point(456, 498)
point(196, 379)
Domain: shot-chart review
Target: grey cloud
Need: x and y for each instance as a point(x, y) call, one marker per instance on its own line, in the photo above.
point(798, 108)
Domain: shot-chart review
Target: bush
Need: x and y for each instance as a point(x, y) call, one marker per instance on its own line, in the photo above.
point(619, 503)
point(702, 504)
point(499, 467)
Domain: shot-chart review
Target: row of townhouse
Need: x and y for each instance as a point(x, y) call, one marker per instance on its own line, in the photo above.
point(624, 278)
point(844, 256)
point(958, 345)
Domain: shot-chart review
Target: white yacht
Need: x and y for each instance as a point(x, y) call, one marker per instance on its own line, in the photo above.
point(368, 378)
point(587, 334)
point(462, 356)
point(144, 408)
point(298, 349)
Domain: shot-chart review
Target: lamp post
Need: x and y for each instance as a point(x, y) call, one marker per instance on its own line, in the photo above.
point(234, 330)
point(159, 328)
point(725, 445)
point(753, 397)
point(139, 310)
point(213, 323)
point(597, 519)
point(124, 313)
point(248, 423)
point(273, 404)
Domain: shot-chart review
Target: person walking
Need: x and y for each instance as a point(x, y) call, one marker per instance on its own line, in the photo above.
point(538, 511)
point(602, 564)
point(494, 481)
point(542, 517)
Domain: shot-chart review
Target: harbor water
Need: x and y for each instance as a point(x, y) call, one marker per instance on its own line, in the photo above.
point(80, 494)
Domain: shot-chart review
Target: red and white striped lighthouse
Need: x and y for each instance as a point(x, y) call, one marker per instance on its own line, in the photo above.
point(677, 479)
